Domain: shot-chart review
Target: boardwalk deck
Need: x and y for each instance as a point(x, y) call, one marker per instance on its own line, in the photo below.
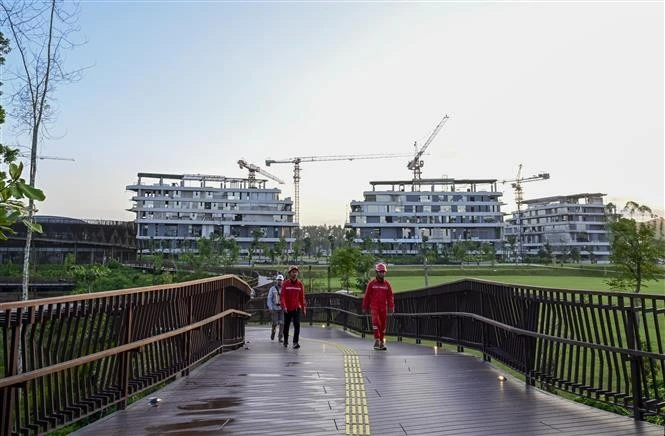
point(336, 384)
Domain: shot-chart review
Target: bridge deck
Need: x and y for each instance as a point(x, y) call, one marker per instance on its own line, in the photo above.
point(336, 384)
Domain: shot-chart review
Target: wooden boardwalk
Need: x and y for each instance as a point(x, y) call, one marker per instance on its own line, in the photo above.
point(336, 384)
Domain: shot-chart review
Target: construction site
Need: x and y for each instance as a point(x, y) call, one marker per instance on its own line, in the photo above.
point(397, 217)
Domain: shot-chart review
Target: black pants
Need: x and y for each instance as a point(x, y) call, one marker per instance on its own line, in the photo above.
point(295, 316)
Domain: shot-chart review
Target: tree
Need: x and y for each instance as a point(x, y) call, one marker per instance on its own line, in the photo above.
point(343, 262)
point(281, 248)
point(460, 250)
point(228, 251)
point(41, 31)
point(89, 274)
point(364, 269)
point(635, 250)
point(489, 253)
point(511, 240)
point(13, 188)
point(255, 246)
point(574, 254)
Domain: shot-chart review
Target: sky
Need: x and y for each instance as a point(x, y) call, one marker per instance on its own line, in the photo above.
point(574, 89)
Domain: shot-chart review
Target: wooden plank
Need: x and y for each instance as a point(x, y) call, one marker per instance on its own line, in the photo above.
point(410, 390)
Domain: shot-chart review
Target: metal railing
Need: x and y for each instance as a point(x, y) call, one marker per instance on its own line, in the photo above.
point(604, 346)
point(66, 358)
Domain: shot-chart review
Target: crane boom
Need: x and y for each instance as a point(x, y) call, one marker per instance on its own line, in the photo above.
point(296, 161)
point(49, 157)
point(253, 169)
point(332, 158)
point(416, 164)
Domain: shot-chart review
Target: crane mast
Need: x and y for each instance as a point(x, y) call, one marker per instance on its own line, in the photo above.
point(296, 161)
point(416, 163)
point(516, 184)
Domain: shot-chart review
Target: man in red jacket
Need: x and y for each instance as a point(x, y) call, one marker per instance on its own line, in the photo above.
point(379, 298)
point(293, 301)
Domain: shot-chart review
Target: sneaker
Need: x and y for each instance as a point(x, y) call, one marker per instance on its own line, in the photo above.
point(382, 346)
point(272, 336)
point(296, 346)
point(377, 345)
point(286, 344)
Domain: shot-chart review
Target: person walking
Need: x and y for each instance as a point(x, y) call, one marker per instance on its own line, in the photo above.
point(293, 303)
point(274, 303)
point(379, 299)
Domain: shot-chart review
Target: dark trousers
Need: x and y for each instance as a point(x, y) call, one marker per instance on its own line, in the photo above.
point(295, 316)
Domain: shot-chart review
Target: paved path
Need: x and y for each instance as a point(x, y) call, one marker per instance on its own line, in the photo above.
point(336, 384)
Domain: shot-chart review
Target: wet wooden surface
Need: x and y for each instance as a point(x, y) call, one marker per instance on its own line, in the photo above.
point(408, 390)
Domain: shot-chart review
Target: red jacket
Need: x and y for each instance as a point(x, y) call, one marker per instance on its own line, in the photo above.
point(293, 295)
point(378, 295)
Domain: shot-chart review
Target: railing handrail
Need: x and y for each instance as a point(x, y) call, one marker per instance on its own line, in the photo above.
point(233, 279)
point(506, 327)
point(31, 375)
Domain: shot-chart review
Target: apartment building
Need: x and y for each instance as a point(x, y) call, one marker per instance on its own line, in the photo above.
point(402, 215)
point(563, 224)
point(174, 210)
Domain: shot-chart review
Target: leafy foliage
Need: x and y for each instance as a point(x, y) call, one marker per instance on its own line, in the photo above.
point(635, 250)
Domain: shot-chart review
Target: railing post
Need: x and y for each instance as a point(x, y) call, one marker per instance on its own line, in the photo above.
point(187, 343)
point(125, 358)
point(528, 371)
point(483, 329)
point(635, 362)
point(417, 329)
point(7, 394)
point(460, 348)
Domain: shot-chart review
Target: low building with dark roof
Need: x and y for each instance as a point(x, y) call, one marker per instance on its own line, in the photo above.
point(90, 241)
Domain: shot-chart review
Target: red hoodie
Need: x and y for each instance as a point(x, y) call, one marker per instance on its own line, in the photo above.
point(293, 295)
point(378, 295)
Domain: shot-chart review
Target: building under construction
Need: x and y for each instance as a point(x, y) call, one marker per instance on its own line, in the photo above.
point(404, 215)
point(174, 210)
point(567, 226)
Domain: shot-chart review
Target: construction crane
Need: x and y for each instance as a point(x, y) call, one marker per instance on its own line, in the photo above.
point(48, 157)
point(253, 169)
point(296, 161)
point(516, 184)
point(416, 163)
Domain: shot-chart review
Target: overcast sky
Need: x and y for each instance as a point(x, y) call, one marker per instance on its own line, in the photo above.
point(570, 88)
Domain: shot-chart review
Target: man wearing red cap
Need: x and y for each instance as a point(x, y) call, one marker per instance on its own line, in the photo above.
point(379, 298)
point(293, 301)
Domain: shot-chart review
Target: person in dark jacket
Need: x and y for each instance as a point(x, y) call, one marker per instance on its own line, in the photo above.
point(293, 303)
point(379, 299)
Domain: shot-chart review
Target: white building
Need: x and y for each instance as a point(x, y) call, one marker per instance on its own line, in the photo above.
point(401, 215)
point(564, 224)
point(175, 210)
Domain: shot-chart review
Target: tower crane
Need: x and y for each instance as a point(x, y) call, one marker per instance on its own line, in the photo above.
point(296, 161)
point(253, 169)
point(516, 184)
point(416, 164)
point(49, 157)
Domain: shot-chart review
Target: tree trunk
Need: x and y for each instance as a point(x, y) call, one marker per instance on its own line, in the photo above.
point(31, 208)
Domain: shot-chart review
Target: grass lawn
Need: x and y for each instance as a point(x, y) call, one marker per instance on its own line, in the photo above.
point(408, 283)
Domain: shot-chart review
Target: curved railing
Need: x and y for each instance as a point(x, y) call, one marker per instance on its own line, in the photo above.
point(66, 358)
point(605, 346)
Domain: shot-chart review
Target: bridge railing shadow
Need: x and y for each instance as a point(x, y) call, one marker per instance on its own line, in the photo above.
point(603, 346)
point(66, 358)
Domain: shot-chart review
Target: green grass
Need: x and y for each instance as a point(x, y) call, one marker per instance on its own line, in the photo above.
point(401, 284)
